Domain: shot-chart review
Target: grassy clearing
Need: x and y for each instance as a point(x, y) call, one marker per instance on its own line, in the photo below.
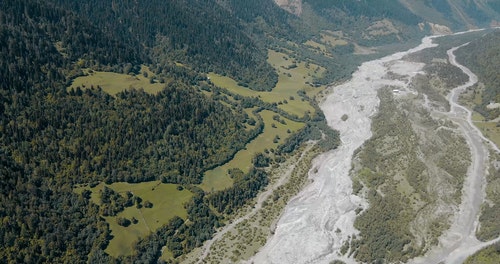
point(218, 179)
point(248, 236)
point(333, 41)
point(304, 72)
point(167, 202)
point(293, 76)
point(316, 45)
point(490, 130)
point(286, 90)
point(114, 83)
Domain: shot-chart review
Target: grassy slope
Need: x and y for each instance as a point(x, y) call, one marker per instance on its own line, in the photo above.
point(218, 179)
point(290, 81)
point(114, 83)
point(167, 203)
point(167, 200)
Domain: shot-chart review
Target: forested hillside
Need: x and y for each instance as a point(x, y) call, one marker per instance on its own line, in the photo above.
point(52, 139)
point(264, 16)
point(200, 33)
point(369, 24)
point(391, 9)
point(456, 14)
point(58, 143)
point(390, 21)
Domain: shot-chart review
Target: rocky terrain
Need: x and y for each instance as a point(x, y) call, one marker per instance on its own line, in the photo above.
point(439, 200)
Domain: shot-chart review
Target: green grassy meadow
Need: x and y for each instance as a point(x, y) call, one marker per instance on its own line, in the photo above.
point(218, 179)
point(167, 202)
point(114, 83)
point(291, 80)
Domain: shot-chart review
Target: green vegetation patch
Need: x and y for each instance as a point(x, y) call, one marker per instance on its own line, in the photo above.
point(294, 77)
point(489, 255)
point(398, 167)
point(276, 130)
point(333, 39)
point(319, 48)
point(387, 223)
point(113, 83)
point(490, 211)
point(155, 205)
point(385, 226)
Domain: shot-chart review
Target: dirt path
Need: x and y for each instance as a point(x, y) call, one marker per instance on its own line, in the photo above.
point(460, 241)
point(260, 200)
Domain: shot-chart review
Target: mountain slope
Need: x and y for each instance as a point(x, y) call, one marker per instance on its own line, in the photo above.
point(387, 21)
point(52, 139)
point(202, 34)
point(457, 15)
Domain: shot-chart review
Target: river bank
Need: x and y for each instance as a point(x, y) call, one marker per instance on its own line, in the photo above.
point(316, 224)
point(318, 221)
point(460, 240)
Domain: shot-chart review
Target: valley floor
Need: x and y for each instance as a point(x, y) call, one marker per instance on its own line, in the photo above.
point(318, 225)
point(460, 242)
point(320, 219)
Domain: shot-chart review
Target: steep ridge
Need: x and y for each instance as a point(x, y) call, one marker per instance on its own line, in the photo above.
point(177, 32)
point(354, 17)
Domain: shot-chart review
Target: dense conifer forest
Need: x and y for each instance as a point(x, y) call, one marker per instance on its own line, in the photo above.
point(55, 139)
point(192, 32)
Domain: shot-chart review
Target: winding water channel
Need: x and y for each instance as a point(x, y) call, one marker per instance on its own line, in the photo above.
point(320, 218)
point(460, 241)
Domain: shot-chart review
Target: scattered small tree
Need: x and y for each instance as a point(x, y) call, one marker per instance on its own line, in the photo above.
point(148, 204)
point(123, 221)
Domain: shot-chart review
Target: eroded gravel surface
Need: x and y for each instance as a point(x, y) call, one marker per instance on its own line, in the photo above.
point(320, 219)
point(460, 241)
